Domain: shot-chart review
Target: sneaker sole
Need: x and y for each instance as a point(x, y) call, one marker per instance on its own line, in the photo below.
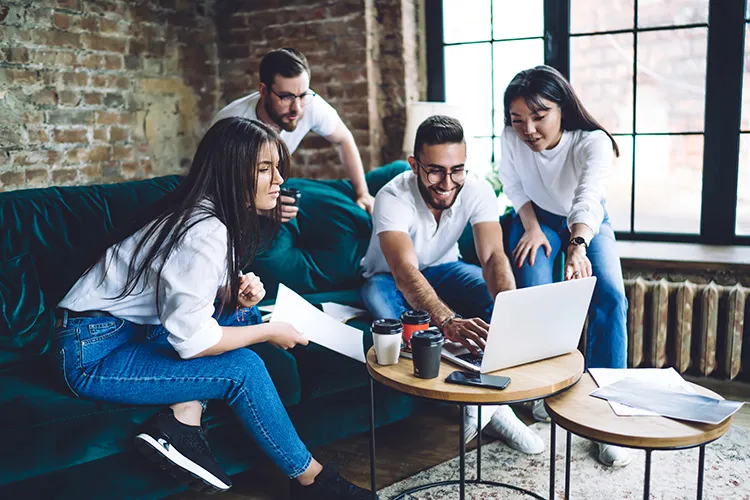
point(180, 467)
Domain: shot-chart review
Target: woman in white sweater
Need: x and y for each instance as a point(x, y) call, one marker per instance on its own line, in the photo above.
point(556, 160)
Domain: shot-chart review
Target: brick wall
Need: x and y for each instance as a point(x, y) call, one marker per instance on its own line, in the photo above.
point(110, 90)
point(94, 91)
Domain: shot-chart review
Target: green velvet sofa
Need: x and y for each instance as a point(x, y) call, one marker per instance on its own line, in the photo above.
point(57, 446)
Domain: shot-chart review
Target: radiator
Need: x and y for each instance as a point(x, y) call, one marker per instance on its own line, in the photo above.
point(696, 327)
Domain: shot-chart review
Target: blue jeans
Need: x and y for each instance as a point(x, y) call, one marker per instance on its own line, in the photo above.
point(111, 359)
point(607, 343)
point(458, 284)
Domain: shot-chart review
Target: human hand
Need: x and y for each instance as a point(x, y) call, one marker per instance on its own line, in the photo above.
point(528, 246)
point(288, 209)
point(365, 202)
point(463, 330)
point(252, 290)
point(285, 336)
point(577, 264)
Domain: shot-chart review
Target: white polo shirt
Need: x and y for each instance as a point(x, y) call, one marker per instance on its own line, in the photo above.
point(399, 206)
point(319, 116)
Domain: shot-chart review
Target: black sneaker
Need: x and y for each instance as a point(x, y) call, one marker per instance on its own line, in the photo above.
point(329, 485)
point(183, 451)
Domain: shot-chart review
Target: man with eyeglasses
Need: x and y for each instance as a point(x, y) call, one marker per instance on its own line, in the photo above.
point(413, 262)
point(285, 102)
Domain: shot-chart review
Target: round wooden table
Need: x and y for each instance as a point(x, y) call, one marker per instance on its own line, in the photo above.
point(527, 383)
point(593, 418)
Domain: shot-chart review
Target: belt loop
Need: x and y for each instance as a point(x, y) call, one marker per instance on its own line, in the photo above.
point(65, 318)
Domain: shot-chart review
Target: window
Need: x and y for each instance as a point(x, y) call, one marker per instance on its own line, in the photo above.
point(484, 47)
point(666, 82)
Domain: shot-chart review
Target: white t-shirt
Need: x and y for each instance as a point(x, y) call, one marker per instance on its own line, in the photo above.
point(191, 278)
point(568, 180)
point(319, 116)
point(399, 206)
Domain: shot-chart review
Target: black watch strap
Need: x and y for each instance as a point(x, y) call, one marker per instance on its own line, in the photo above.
point(578, 240)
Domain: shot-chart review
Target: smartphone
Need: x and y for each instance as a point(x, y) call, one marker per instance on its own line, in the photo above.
point(478, 379)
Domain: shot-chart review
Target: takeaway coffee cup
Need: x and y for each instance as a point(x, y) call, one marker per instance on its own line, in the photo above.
point(386, 336)
point(292, 193)
point(426, 347)
point(413, 321)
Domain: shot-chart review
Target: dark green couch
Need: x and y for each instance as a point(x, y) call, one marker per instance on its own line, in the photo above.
point(57, 446)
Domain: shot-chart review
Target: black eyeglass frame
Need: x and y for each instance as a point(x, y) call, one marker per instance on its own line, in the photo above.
point(289, 98)
point(442, 172)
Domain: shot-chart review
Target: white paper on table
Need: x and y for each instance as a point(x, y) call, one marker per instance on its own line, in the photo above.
point(666, 378)
point(341, 312)
point(317, 326)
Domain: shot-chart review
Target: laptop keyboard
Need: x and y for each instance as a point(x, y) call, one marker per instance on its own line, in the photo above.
point(470, 358)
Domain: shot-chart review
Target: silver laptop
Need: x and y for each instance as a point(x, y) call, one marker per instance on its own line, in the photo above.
point(530, 324)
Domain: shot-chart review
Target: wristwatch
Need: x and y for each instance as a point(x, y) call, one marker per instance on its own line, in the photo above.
point(448, 320)
point(578, 240)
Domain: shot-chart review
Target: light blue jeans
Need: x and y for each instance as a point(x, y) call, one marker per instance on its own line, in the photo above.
point(607, 344)
point(111, 359)
point(458, 284)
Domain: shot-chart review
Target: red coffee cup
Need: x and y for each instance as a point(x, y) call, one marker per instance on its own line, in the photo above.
point(413, 321)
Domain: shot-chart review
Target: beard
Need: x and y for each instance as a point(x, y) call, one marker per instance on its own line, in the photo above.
point(429, 197)
point(277, 119)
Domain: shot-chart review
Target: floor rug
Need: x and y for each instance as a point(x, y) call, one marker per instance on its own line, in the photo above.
point(673, 473)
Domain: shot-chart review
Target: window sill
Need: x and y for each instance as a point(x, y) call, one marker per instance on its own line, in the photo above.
point(684, 255)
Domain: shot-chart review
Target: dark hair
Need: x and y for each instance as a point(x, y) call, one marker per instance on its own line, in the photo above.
point(438, 129)
point(224, 172)
point(286, 62)
point(545, 82)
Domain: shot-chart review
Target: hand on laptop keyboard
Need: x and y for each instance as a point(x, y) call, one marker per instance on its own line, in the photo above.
point(469, 332)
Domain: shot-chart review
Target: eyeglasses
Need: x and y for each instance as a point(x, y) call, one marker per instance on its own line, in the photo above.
point(436, 175)
point(287, 99)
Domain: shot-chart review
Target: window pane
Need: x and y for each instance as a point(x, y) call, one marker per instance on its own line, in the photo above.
point(668, 183)
point(470, 93)
point(671, 80)
point(510, 58)
point(509, 24)
point(671, 12)
point(620, 185)
point(746, 83)
point(601, 71)
point(462, 24)
point(503, 202)
point(743, 188)
point(478, 156)
point(587, 16)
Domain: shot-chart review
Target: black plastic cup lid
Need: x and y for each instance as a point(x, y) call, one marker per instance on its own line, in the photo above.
point(428, 337)
point(387, 326)
point(290, 191)
point(414, 317)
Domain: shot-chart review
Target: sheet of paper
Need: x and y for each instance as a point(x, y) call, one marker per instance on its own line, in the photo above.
point(341, 312)
point(668, 402)
point(316, 325)
point(666, 378)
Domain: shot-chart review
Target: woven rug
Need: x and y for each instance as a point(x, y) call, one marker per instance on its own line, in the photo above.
point(674, 474)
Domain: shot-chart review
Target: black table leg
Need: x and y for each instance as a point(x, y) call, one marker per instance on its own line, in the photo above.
point(552, 450)
point(479, 443)
point(701, 467)
point(462, 453)
point(373, 484)
point(568, 453)
point(647, 480)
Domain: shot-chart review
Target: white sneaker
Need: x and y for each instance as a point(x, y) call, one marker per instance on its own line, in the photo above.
point(505, 425)
point(613, 456)
point(538, 411)
point(470, 420)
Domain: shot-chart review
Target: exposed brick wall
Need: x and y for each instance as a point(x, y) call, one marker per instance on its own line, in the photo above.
point(358, 52)
point(110, 90)
point(102, 91)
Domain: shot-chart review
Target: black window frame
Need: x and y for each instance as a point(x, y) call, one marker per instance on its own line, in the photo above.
point(726, 24)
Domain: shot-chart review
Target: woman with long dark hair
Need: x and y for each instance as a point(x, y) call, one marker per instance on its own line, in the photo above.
point(556, 160)
point(141, 325)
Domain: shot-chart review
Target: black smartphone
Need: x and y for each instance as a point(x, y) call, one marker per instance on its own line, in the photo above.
point(478, 379)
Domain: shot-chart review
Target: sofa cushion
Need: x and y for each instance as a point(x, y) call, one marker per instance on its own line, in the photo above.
point(321, 248)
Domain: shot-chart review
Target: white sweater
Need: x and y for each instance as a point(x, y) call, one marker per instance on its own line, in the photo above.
point(568, 180)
